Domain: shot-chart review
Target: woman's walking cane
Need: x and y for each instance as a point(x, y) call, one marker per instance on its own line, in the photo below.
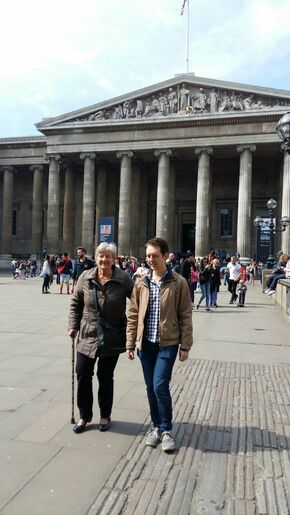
point(72, 421)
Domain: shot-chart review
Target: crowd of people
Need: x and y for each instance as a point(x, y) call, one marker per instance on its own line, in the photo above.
point(163, 290)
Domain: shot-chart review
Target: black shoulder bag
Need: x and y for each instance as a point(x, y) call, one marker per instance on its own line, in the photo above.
point(111, 334)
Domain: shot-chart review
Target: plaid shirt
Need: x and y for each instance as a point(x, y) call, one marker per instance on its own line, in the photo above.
point(153, 318)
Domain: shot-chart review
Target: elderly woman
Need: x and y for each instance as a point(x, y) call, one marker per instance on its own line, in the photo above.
point(97, 315)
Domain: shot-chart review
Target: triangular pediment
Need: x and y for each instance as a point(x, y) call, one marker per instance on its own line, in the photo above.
point(185, 94)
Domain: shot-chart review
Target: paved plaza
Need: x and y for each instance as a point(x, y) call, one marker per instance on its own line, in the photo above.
point(231, 413)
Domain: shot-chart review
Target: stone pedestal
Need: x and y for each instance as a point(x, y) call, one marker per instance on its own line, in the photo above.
point(37, 210)
point(53, 206)
point(203, 202)
point(68, 210)
point(244, 228)
point(163, 193)
point(88, 203)
point(124, 228)
point(285, 208)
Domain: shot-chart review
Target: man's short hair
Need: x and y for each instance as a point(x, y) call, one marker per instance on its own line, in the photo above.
point(188, 254)
point(65, 254)
point(82, 249)
point(158, 242)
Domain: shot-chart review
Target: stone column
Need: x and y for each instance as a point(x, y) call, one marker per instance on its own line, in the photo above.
point(244, 226)
point(285, 210)
point(37, 210)
point(7, 209)
point(68, 210)
point(163, 188)
point(88, 227)
point(171, 212)
point(135, 211)
point(203, 202)
point(53, 205)
point(101, 196)
point(124, 228)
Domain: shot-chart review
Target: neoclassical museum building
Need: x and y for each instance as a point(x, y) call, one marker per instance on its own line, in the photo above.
point(192, 160)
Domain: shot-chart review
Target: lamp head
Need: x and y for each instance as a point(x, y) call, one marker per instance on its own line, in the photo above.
point(271, 204)
point(283, 128)
point(285, 221)
point(258, 222)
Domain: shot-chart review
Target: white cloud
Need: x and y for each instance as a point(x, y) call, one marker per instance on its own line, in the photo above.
point(67, 54)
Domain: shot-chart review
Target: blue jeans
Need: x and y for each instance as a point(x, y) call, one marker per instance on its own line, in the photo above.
point(205, 293)
point(157, 364)
point(213, 296)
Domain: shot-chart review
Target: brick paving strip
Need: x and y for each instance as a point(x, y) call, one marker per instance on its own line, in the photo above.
point(232, 427)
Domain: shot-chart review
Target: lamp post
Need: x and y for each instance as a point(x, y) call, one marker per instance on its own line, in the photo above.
point(283, 131)
point(272, 229)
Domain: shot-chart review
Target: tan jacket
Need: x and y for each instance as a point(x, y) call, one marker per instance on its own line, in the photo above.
point(175, 313)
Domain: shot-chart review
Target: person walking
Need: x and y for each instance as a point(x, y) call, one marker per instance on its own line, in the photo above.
point(83, 263)
point(204, 282)
point(215, 281)
point(64, 270)
point(98, 318)
point(160, 326)
point(234, 269)
point(193, 281)
point(45, 273)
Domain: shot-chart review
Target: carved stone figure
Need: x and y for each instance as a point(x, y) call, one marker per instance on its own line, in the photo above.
point(139, 109)
point(118, 113)
point(172, 100)
point(126, 109)
point(154, 104)
point(225, 104)
point(97, 116)
point(247, 103)
point(236, 103)
point(213, 101)
point(199, 101)
point(183, 98)
point(162, 101)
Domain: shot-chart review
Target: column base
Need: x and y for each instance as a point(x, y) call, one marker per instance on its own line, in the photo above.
point(5, 261)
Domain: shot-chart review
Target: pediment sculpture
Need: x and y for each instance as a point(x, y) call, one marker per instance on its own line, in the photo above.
point(187, 99)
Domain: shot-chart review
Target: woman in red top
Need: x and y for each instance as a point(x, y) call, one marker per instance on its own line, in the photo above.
point(192, 281)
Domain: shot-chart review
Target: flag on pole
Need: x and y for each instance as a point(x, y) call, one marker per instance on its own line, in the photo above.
point(183, 7)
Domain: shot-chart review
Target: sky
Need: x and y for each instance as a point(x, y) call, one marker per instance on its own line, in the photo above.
point(63, 55)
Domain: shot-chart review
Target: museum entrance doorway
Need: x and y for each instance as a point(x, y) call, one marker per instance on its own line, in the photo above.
point(188, 237)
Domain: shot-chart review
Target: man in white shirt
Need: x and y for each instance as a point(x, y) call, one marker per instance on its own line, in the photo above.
point(235, 273)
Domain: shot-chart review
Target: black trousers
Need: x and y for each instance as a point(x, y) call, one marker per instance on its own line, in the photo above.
point(45, 284)
point(105, 373)
point(232, 286)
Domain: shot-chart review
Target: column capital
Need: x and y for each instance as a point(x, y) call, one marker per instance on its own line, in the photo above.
point(166, 151)
point(36, 167)
point(241, 148)
point(199, 150)
point(50, 157)
point(127, 153)
point(90, 155)
point(7, 167)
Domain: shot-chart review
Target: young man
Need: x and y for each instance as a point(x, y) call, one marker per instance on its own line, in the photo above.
point(160, 326)
point(83, 263)
point(234, 276)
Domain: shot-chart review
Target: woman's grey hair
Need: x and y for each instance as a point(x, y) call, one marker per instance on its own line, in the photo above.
point(107, 247)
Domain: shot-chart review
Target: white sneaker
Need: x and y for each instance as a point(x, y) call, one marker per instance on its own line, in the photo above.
point(266, 291)
point(153, 437)
point(167, 441)
point(271, 292)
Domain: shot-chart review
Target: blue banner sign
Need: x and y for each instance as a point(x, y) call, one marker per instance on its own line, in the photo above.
point(106, 229)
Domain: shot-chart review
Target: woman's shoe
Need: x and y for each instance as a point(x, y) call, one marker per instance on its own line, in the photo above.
point(197, 306)
point(80, 428)
point(106, 426)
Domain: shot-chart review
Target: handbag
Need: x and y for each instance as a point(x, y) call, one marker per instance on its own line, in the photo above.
point(111, 334)
point(42, 274)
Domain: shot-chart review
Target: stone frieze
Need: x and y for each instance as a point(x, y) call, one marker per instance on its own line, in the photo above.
point(186, 99)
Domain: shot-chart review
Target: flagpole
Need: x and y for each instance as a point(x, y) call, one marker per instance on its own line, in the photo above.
point(187, 39)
